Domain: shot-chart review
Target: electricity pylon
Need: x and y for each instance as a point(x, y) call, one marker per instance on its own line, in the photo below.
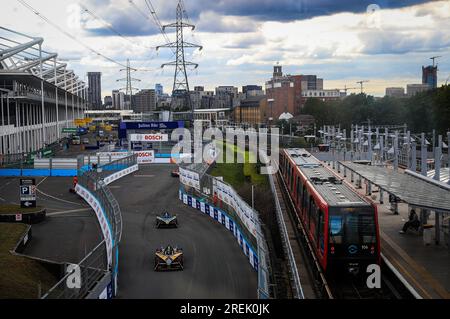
point(129, 86)
point(180, 80)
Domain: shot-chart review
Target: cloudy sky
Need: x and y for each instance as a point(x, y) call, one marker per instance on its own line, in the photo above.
point(385, 41)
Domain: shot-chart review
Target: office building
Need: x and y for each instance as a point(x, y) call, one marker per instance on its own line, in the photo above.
point(413, 89)
point(251, 111)
point(108, 102)
point(144, 101)
point(118, 100)
point(395, 92)
point(95, 89)
point(324, 95)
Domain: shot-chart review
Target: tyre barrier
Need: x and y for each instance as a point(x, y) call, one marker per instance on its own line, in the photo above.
point(221, 217)
point(25, 218)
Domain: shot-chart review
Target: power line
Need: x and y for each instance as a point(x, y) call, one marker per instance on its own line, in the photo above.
point(110, 27)
point(36, 12)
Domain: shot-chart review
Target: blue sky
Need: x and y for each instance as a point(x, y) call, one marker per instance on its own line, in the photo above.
point(383, 41)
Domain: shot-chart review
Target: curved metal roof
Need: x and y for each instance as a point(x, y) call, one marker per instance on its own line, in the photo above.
point(410, 189)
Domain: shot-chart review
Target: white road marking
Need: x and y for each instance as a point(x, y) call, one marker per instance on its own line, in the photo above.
point(58, 199)
point(43, 180)
point(69, 211)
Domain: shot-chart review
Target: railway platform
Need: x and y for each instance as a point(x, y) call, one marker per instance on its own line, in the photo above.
point(423, 265)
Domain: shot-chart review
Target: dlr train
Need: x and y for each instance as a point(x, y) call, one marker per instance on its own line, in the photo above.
point(342, 226)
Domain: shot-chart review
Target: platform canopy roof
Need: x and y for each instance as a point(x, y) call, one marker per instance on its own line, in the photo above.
point(410, 189)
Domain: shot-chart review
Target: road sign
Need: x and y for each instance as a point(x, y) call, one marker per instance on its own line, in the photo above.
point(27, 190)
point(71, 130)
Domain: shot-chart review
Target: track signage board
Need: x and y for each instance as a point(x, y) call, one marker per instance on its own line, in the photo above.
point(149, 137)
point(27, 193)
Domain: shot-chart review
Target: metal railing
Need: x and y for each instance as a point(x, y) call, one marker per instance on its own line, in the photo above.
point(92, 180)
point(77, 283)
point(95, 266)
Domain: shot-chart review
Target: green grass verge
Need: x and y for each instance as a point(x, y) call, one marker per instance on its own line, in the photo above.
point(16, 209)
point(20, 276)
point(237, 174)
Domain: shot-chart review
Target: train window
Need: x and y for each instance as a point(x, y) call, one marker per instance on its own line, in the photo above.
point(299, 187)
point(336, 229)
point(360, 228)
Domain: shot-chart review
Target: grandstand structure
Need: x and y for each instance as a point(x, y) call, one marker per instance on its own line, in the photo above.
point(39, 95)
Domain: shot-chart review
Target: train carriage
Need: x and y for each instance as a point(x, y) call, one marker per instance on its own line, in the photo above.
point(341, 225)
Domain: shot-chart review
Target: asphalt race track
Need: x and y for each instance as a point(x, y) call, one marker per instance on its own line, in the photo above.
point(215, 266)
point(70, 230)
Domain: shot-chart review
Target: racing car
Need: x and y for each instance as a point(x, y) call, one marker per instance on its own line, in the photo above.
point(166, 220)
point(169, 258)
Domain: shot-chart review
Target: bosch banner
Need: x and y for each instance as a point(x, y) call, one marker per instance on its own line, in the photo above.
point(149, 137)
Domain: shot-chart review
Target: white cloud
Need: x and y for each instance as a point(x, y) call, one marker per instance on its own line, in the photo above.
point(347, 45)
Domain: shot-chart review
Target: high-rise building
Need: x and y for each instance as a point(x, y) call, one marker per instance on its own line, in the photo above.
point(118, 100)
point(144, 101)
point(395, 92)
point(95, 89)
point(429, 76)
point(159, 90)
point(199, 88)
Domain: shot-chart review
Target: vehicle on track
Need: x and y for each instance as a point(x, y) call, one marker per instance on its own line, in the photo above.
point(169, 258)
point(341, 225)
point(166, 220)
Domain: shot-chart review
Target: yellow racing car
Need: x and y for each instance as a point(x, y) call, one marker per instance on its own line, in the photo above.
point(169, 258)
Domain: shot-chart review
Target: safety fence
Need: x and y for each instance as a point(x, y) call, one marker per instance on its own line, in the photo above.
point(80, 279)
point(218, 199)
point(24, 160)
point(101, 263)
